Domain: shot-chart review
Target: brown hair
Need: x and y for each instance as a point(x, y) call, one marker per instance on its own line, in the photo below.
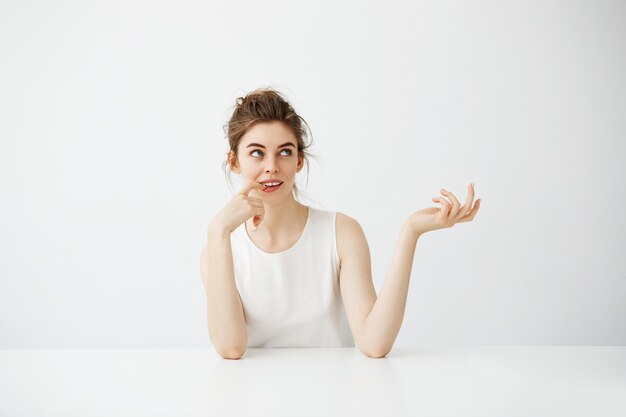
point(265, 105)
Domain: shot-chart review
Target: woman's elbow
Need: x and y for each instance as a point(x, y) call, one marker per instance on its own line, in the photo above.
point(374, 353)
point(231, 353)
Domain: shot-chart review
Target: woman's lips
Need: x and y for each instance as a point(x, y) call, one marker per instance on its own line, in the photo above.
point(272, 189)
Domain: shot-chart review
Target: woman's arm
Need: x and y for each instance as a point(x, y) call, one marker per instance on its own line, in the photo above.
point(374, 321)
point(383, 323)
point(227, 326)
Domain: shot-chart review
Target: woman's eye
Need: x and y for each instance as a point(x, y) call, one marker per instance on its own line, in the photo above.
point(261, 152)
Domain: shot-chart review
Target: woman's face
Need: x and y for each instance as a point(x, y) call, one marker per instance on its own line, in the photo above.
point(268, 150)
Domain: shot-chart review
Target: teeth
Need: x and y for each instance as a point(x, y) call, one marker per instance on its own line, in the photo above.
point(271, 184)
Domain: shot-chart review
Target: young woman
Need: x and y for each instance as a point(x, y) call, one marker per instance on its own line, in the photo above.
point(278, 273)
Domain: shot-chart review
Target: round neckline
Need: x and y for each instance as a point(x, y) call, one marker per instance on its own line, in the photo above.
point(304, 230)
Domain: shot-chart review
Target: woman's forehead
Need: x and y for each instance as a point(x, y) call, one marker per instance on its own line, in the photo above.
point(268, 134)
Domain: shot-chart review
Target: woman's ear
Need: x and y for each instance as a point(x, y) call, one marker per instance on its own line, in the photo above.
point(232, 162)
point(300, 162)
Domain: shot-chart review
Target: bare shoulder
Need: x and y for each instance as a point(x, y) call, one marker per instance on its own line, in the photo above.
point(344, 221)
point(349, 233)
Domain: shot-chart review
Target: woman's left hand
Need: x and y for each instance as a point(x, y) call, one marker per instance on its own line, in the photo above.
point(434, 218)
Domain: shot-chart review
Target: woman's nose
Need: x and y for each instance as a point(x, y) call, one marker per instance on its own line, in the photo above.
point(271, 166)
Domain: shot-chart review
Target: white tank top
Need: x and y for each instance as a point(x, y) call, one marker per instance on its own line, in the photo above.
point(292, 298)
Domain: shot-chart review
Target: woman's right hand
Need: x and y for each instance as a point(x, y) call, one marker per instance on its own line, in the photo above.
point(240, 208)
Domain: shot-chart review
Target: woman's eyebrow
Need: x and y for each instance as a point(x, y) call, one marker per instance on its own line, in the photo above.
point(281, 146)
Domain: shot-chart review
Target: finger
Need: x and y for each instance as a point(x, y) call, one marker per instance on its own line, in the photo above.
point(255, 199)
point(470, 215)
point(443, 212)
point(468, 202)
point(455, 203)
point(449, 208)
point(250, 185)
point(257, 219)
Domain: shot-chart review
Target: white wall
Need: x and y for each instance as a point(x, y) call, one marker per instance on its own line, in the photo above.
point(111, 146)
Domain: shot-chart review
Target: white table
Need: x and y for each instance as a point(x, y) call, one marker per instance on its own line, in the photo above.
point(430, 381)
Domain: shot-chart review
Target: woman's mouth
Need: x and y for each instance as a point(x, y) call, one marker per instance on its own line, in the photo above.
point(271, 188)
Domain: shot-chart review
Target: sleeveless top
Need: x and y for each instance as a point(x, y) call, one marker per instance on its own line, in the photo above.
point(292, 298)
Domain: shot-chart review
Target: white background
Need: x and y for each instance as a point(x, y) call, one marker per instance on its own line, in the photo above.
point(111, 151)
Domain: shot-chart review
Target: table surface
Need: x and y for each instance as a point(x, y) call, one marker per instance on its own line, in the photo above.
point(430, 381)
